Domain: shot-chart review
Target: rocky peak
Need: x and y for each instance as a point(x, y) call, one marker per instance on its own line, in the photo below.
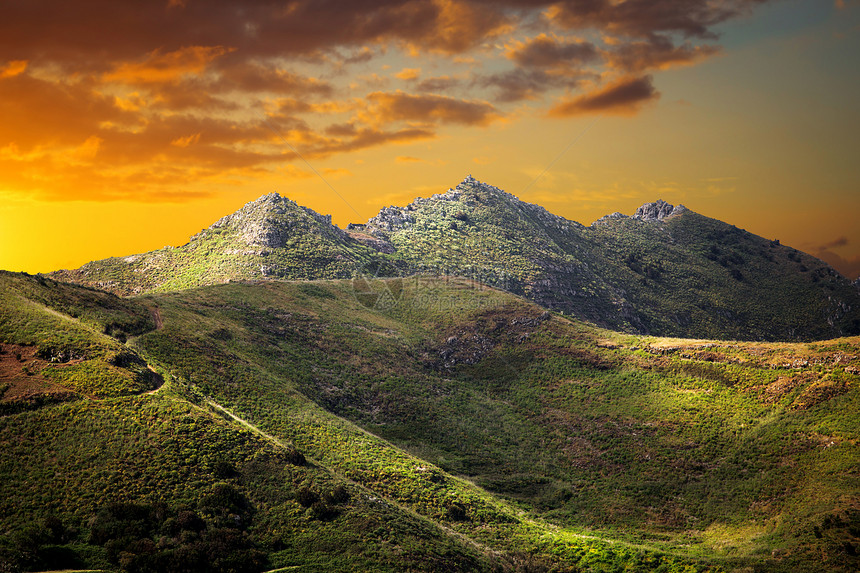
point(271, 220)
point(459, 203)
point(657, 211)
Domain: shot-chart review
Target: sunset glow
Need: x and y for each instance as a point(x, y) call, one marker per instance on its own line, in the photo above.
point(125, 129)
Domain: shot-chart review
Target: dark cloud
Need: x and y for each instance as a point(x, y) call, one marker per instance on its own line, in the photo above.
point(546, 51)
point(643, 18)
point(847, 267)
point(438, 84)
point(658, 52)
point(520, 84)
point(543, 63)
point(92, 35)
point(622, 97)
point(241, 76)
point(430, 108)
point(837, 242)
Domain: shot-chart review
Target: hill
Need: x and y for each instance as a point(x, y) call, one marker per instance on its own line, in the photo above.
point(271, 237)
point(665, 271)
point(426, 424)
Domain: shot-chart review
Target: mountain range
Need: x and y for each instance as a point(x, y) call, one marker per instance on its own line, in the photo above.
point(465, 384)
point(665, 270)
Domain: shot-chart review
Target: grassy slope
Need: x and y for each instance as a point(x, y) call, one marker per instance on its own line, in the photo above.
point(75, 459)
point(733, 451)
point(740, 455)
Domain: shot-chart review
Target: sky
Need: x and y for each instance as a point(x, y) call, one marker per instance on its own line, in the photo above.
point(128, 126)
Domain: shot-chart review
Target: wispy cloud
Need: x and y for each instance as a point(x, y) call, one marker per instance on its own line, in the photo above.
point(625, 96)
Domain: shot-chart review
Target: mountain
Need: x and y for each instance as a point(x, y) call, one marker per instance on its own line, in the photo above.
point(666, 270)
point(269, 238)
point(441, 425)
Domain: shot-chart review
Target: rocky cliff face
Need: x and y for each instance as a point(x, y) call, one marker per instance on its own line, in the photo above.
point(657, 211)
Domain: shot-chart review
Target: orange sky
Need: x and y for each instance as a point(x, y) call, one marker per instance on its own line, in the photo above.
point(127, 128)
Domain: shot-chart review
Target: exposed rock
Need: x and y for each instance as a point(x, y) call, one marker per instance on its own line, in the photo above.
point(611, 216)
point(379, 245)
point(657, 211)
point(272, 220)
point(389, 219)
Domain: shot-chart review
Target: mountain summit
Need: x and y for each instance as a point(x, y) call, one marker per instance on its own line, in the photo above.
point(665, 270)
point(271, 237)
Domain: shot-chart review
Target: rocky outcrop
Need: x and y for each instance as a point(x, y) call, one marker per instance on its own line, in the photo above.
point(388, 220)
point(610, 217)
point(271, 221)
point(657, 211)
point(375, 243)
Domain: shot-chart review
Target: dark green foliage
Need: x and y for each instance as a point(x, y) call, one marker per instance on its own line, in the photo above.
point(140, 538)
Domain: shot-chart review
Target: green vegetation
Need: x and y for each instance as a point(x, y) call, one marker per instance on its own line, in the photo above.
point(419, 424)
point(684, 275)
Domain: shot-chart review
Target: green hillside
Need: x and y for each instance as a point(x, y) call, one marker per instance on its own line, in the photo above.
point(413, 425)
point(664, 271)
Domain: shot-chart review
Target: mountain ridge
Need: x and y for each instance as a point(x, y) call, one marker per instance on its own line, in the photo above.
point(665, 270)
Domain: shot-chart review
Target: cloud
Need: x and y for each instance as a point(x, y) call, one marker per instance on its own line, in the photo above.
point(158, 67)
point(124, 99)
point(13, 68)
point(656, 53)
point(438, 84)
point(430, 108)
point(186, 141)
point(408, 73)
point(837, 242)
point(546, 51)
point(625, 96)
point(644, 18)
point(369, 137)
